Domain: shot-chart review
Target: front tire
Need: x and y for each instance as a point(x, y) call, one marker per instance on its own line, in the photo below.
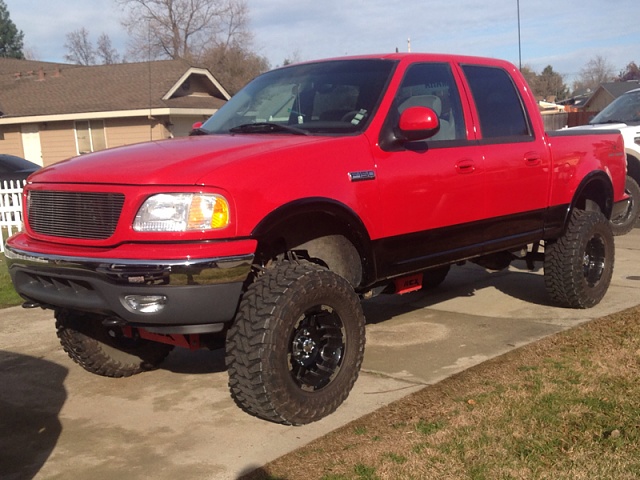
point(295, 348)
point(105, 350)
point(579, 265)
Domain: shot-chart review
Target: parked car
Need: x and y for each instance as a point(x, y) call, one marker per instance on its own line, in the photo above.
point(624, 114)
point(15, 168)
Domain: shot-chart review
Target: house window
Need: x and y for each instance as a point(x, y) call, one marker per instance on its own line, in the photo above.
point(90, 136)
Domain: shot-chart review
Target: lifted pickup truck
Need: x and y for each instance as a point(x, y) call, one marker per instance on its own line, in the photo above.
point(317, 185)
point(624, 114)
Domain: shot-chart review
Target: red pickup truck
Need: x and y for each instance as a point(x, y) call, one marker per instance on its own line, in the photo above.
point(317, 185)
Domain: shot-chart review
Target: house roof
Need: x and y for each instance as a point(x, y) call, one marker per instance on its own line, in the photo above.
point(615, 89)
point(612, 90)
point(29, 88)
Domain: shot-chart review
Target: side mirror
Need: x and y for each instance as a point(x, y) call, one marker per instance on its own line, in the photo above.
point(418, 123)
point(195, 129)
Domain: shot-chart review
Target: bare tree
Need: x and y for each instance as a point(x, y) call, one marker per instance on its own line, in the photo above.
point(598, 70)
point(105, 51)
point(183, 28)
point(234, 66)
point(630, 72)
point(294, 57)
point(79, 48)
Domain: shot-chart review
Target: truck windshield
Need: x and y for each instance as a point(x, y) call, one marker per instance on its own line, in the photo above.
point(330, 97)
point(624, 109)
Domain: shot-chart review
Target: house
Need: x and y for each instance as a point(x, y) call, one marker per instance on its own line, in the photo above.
point(50, 112)
point(607, 93)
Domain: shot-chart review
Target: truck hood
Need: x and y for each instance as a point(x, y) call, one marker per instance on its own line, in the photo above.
point(180, 161)
point(601, 126)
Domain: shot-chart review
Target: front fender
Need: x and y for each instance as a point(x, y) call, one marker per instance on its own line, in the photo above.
point(306, 219)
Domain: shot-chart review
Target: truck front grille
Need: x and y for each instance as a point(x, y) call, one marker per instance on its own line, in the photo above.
point(91, 216)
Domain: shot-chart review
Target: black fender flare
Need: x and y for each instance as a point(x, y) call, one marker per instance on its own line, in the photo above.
point(337, 214)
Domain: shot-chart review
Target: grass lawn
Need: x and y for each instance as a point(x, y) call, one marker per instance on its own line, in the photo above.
point(566, 407)
point(8, 295)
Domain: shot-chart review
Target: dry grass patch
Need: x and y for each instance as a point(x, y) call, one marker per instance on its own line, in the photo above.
point(567, 407)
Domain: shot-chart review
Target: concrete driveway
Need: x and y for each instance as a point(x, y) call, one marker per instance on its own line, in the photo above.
point(58, 421)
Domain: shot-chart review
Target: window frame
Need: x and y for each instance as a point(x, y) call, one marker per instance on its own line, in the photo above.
point(481, 113)
point(388, 133)
point(92, 128)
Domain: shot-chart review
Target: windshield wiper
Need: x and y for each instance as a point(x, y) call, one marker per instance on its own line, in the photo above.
point(267, 127)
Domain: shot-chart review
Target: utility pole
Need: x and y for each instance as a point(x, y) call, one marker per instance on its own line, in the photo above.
point(519, 43)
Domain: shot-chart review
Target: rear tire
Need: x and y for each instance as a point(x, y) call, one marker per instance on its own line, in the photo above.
point(579, 265)
point(104, 350)
point(295, 348)
point(625, 223)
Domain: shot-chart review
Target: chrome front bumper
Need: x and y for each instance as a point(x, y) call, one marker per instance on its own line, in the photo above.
point(198, 292)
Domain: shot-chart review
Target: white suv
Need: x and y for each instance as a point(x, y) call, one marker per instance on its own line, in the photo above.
point(624, 114)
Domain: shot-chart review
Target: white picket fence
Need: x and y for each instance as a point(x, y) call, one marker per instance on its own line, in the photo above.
point(10, 209)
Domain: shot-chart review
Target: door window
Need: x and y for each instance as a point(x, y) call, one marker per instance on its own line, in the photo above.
point(433, 85)
point(500, 109)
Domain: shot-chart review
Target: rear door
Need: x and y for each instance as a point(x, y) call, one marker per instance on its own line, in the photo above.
point(516, 163)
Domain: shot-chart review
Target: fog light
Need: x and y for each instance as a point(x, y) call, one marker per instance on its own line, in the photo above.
point(145, 303)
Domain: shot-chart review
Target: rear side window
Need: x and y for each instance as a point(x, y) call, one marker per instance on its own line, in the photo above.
point(498, 103)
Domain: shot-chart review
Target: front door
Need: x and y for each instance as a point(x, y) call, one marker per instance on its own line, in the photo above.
point(31, 143)
point(432, 192)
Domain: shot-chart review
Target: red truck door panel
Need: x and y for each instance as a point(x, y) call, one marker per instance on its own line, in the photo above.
point(430, 187)
point(516, 162)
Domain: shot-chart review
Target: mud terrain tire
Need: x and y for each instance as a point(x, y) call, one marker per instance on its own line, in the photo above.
point(579, 265)
point(296, 345)
point(104, 350)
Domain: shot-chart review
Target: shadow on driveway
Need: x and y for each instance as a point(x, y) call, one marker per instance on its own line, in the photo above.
point(32, 394)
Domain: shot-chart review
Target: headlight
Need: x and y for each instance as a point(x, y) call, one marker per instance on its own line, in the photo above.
point(182, 212)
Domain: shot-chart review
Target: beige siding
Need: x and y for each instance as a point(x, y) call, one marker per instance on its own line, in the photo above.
point(183, 125)
point(58, 142)
point(599, 101)
point(58, 139)
point(125, 131)
point(11, 140)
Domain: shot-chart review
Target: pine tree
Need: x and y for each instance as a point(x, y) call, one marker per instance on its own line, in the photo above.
point(10, 37)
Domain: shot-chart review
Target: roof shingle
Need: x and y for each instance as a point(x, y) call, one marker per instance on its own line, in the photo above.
point(29, 88)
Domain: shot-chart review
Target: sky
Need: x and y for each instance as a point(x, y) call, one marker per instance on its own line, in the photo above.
point(565, 34)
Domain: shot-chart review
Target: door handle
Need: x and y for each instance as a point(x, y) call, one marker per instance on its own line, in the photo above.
point(532, 159)
point(465, 166)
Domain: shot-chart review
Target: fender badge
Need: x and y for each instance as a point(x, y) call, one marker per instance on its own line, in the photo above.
point(362, 176)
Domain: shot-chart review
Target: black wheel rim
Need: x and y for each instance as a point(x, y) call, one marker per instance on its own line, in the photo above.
point(316, 348)
point(594, 260)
